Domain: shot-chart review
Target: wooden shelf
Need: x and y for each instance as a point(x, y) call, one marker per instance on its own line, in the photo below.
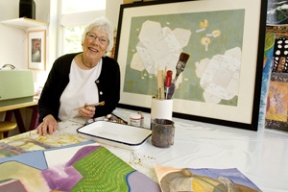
point(25, 23)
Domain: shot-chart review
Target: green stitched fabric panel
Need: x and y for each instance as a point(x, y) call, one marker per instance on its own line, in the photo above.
point(102, 171)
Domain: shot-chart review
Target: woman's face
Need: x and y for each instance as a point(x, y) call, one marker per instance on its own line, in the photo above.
point(95, 44)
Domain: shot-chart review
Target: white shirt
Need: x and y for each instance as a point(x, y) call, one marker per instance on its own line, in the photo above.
point(80, 90)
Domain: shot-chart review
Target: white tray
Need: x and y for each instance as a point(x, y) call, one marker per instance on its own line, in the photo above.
point(115, 134)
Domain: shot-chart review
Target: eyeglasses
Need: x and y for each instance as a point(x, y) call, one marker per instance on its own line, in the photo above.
point(102, 40)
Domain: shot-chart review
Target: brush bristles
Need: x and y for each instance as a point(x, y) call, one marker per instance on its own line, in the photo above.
point(184, 57)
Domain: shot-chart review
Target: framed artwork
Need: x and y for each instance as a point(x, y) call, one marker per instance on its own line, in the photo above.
point(221, 81)
point(37, 50)
point(277, 102)
point(276, 79)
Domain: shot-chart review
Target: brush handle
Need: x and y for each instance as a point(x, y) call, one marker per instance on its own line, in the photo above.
point(171, 90)
point(102, 103)
point(183, 58)
point(180, 67)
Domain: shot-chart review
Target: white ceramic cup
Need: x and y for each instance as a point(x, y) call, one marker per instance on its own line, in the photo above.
point(161, 109)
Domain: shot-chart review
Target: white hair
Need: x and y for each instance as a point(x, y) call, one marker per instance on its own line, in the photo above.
point(102, 24)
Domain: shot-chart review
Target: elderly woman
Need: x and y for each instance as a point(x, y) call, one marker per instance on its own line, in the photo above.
point(78, 82)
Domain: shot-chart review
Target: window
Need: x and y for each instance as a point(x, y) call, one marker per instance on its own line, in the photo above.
point(74, 6)
point(72, 39)
point(75, 15)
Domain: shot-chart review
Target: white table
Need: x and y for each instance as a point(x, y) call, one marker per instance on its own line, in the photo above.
point(262, 156)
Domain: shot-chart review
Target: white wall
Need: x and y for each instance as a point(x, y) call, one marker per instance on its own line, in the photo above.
point(112, 11)
point(12, 41)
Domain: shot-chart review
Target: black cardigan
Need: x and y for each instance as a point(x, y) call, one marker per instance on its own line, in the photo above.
point(108, 85)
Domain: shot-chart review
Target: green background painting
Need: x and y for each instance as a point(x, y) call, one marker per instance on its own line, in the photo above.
point(231, 25)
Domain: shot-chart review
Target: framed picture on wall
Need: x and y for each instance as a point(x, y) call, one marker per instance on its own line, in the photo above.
point(221, 82)
point(37, 50)
point(277, 108)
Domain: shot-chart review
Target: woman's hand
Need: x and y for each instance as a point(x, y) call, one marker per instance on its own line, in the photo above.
point(48, 126)
point(87, 111)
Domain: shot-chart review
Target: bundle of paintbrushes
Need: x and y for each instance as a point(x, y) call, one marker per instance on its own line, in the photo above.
point(166, 90)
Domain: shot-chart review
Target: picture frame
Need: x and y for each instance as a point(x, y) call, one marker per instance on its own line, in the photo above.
point(37, 50)
point(277, 108)
point(208, 31)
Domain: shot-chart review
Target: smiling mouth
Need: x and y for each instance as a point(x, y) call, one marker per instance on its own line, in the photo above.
point(92, 49)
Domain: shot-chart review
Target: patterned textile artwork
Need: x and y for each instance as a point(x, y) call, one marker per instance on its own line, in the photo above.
point(91, 169)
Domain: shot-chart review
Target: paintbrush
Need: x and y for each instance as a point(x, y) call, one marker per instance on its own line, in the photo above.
point(183, 58)
point(160, 85)
point(168, 82)
point(102, 103)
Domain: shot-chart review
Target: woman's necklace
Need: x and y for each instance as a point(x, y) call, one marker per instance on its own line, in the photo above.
point(86, 65)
